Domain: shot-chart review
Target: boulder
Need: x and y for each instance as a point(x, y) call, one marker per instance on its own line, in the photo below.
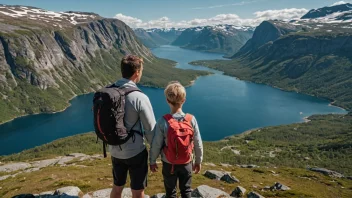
point(205, 191)
point(229, 179)
point(349, 177)
point(254, 195)
point(87, 196)
point(278, 186)
point(159, 195)
point(214, 174)
point(327, 172)
point(14, 167)
point(69, 190)
point(238, 192)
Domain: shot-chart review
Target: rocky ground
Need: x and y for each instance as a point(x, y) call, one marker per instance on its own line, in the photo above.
point(80, 175)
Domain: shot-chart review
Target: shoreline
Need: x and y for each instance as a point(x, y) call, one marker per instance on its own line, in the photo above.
point(191, 83)
point(331, 101)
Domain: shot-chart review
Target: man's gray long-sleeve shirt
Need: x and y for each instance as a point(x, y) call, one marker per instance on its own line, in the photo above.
point(160, 139)
point(137, 108)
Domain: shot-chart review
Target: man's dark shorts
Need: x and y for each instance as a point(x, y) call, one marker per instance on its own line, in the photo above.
point(137, 167)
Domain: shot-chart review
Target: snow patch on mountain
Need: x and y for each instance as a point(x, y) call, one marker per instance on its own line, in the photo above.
point(31, 13)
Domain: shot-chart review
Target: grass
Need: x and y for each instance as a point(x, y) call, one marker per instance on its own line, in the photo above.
point(326, 140)
point(97, 175)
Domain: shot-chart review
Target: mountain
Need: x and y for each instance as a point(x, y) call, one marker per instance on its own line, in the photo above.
point(310, 56)
point(326, 11)
point(48, 57)
point(225, 39)
point(156, 37)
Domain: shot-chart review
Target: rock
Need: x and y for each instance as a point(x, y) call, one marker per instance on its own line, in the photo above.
point(64, 160)
point(238, 192)
point(210, 164)
point(14, 167)
point(159, 195)
point(254, 195)
point(87, 196)
point(229, 179)
point(47, 193)
point(102, 193)
point(105, 193)
point(45, 163)
point(31, 170)
point(214, 174)
point(278, 186)
point(226, 165)
point(205, 191)
point(69, 190)
point(327, 172)
point(349, 177)
point(267, 188)
point(4, 177)
point(248, 166)
point(306, 158)
point(76, 155)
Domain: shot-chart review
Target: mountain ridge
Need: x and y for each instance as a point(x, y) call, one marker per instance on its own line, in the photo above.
point(44, 64)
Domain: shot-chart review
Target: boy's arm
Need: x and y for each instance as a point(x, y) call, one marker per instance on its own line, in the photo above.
point(157, 143)
point(198, 144)
point(146, 114)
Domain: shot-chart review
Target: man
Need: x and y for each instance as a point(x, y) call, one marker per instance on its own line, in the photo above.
point(133, 156)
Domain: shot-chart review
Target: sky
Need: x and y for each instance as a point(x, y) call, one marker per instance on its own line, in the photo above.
point(185, 13)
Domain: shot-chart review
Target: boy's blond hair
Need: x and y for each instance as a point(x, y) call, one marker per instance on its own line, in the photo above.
point(175, 93)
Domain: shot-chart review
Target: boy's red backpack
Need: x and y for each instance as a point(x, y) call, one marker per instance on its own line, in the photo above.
point(179, 140)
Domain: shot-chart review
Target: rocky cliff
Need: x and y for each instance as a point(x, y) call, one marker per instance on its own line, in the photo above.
point(48, 57)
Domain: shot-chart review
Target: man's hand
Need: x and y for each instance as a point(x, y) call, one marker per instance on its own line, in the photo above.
point(197, 168)
point(154, 168)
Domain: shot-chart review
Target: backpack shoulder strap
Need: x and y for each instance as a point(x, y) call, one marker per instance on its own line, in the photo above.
point(188, 117)
point(169, 118)
point(130, 90)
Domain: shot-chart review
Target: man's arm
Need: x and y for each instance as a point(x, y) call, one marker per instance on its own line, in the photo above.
point(146, 114)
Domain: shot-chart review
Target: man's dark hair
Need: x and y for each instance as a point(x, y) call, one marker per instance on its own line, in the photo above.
point(130, 64)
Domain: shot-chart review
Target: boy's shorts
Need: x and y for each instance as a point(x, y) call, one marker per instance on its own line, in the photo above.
point(138, 168)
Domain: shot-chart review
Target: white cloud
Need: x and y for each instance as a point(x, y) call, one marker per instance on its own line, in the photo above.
point(232, 19)
point(225, 5)
point(339, 3)
point(284, 14)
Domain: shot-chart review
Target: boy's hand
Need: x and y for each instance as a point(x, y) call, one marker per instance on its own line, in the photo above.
point(154, 168)
point(197, 168)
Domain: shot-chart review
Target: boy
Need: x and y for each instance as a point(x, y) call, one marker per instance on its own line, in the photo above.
point(176, 134)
